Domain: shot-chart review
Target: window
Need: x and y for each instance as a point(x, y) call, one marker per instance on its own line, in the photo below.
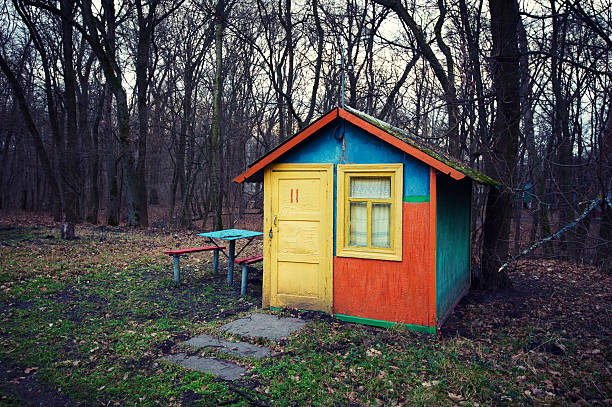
point(369, 215)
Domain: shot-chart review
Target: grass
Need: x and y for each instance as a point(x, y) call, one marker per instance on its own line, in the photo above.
point(89, 320)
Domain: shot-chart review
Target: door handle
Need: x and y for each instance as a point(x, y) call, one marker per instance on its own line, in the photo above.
point(270, 232)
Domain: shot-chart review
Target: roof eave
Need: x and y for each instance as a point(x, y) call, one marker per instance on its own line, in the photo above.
point(428, 158)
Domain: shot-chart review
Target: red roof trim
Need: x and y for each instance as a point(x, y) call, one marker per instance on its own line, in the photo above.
point(359, 122)
point(288, 145)
point(394, 141)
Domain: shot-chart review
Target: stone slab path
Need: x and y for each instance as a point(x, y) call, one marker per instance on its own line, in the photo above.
point(221, 368)
point(236, 348)
point(252, 326)
point(264, 326)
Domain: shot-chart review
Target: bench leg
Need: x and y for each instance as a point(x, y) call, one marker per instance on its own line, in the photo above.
point(230, 266)
point(216, 261)
point(177, 268)
point(243, 285)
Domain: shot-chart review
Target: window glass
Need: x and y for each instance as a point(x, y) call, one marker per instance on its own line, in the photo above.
point(358, 224)
point(369, 212)
point(370, 187)
point(381, 224)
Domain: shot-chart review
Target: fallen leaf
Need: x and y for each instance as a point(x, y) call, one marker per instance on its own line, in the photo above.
point(455, 397)
point(430, 384)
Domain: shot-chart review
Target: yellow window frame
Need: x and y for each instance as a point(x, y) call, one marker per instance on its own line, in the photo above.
point(345, 172)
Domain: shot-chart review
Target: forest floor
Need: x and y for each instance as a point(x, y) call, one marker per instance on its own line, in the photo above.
point(85, 323)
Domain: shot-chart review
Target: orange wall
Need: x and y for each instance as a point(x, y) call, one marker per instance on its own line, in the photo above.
point(390, 290)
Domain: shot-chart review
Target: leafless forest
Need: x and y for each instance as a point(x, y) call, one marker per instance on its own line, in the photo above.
point(111, 111)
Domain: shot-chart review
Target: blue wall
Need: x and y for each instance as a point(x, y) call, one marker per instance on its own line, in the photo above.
point(360, 148)
point(452, 241)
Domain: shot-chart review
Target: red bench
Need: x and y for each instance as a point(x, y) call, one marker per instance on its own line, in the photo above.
point(181, 252)
point(245, 261)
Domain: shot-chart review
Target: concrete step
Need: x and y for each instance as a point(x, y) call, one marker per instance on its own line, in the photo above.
point(235, 348)
point(221, 368)
point(264, 326)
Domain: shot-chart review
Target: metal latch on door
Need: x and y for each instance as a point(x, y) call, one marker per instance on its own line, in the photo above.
point(270, 233)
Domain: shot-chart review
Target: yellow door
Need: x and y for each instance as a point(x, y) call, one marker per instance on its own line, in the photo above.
point(298, 229)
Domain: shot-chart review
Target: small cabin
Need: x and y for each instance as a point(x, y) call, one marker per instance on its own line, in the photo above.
point(365, 223)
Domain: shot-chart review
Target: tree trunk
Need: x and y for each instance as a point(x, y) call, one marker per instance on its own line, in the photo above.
point(127, 158)
point(113, 202)
point(450, 92)
point(145, 36)
point(216, 136)
point(85, 150)
point(94, 169)
point(156, 161)
point(70, 166)
point(4, 161)
point(67, 231)
point(181, 156)
point(518, 205)
point(475, 73)
point(501, 158)
point(560, 130)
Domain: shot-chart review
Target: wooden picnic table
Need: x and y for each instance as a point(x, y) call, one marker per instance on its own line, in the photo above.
point(231, 235)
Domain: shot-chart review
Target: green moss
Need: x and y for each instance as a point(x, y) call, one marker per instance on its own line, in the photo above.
point(429, 150)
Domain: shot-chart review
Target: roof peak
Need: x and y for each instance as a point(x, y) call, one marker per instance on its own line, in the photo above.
point(388, 133)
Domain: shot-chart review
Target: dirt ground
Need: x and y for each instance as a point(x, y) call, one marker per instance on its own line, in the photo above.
point(566, 305)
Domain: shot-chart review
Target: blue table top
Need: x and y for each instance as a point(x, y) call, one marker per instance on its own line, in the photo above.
point(230, 234)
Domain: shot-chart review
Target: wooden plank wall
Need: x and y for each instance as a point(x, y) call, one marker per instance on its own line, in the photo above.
point(453, 242)
point(390, 290)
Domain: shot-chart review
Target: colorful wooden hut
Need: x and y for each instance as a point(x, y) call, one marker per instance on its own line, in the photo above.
point(363, 222)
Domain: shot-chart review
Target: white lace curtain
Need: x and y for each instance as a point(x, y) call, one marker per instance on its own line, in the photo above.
point(370, 188)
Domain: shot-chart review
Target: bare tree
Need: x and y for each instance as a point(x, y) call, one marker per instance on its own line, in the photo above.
point(446, 77)
point(502, 155)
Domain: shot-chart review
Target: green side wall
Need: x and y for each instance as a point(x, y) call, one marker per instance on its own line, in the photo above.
point(452, 241)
